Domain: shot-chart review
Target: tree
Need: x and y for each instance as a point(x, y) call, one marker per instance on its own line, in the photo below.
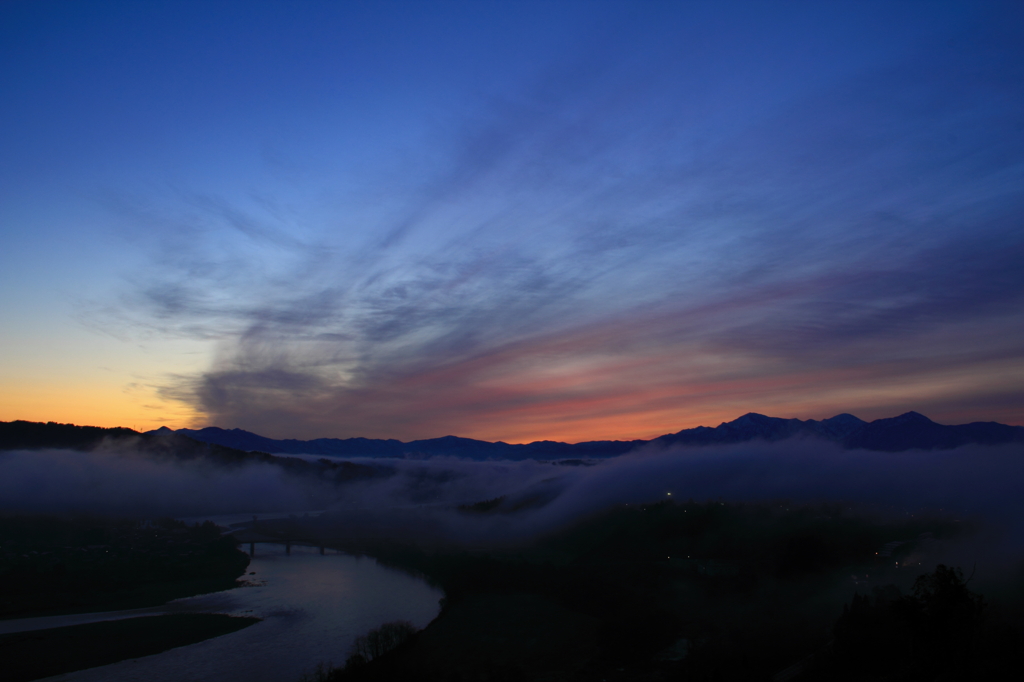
point(936, 631)
point(945, 619)
point(379, 641)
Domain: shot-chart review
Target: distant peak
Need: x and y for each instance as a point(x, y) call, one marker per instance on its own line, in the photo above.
point(845, 417)
point(912, 417)
point(751, 417)
point(748, 418)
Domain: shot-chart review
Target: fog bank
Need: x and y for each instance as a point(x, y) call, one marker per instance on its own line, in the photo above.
point(115, 483)
point(423, 496)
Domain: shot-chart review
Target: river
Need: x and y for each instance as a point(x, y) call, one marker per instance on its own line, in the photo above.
point(313, 606)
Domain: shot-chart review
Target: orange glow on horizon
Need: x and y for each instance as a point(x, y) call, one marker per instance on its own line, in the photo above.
point(106, 406)
point(524, 394)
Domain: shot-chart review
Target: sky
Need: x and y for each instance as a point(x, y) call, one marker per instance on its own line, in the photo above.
point(509, 220)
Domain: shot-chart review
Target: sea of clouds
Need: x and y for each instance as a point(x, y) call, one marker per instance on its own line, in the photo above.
point(971, 481)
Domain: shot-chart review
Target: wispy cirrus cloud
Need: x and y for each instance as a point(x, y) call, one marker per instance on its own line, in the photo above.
point(633, 244)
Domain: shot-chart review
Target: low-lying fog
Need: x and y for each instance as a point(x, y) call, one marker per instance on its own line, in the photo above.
point(423, 495)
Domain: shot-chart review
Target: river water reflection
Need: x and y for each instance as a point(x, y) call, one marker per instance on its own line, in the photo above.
point(313, 606)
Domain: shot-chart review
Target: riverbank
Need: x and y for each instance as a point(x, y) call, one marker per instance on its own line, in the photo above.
point(63, 565)
point(37, 654)
point(311, 608)
point(648, 592)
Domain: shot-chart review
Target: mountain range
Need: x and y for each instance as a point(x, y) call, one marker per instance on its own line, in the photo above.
point(908, 431)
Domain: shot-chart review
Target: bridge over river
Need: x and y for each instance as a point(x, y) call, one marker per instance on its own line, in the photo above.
point(252, 533)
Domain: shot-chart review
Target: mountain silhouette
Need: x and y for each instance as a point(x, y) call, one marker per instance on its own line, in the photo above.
point(908, 431)
point(467, 448)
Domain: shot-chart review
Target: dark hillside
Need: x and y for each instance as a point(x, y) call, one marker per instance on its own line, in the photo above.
point(51, 564)
point(168, 444)
point(23, 435)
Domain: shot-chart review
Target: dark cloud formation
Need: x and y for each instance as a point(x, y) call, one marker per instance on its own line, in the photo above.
point(656, 233)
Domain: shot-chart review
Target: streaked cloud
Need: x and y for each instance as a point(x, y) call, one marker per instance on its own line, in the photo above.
point(667, 217)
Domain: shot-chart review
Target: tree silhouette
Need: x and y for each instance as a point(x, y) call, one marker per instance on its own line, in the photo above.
point(379, 641)
point(945, 619)
point(936, 631)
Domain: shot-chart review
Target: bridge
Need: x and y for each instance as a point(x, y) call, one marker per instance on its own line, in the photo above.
point(248, 535)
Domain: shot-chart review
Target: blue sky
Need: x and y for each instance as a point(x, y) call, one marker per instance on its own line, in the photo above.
point(509, 220)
